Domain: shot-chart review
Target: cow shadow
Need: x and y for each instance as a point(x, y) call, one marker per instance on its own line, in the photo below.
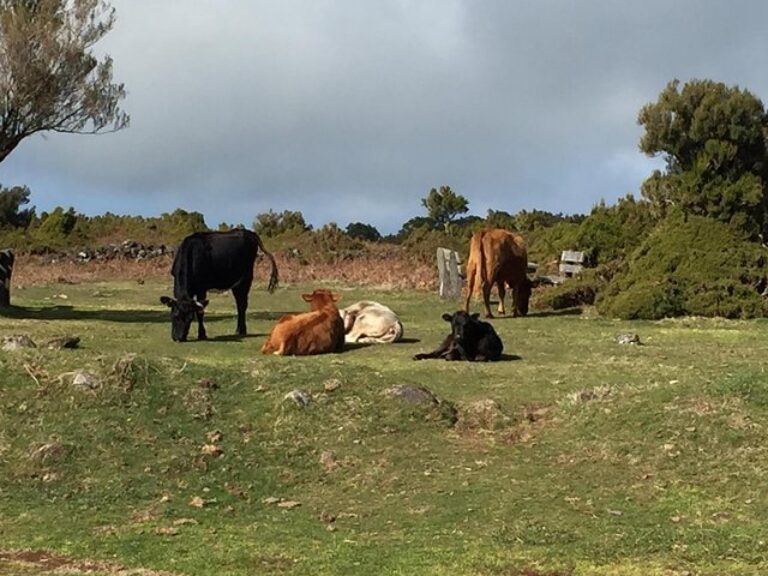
point(538, 314)
point(267, 315)
point(72, 313)
point(509, 358)
point(575, 311)
point(139, 316)
point(356, 345)
point(233, 337)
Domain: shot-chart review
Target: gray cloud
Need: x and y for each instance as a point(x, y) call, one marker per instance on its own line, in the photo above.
point(352, 110)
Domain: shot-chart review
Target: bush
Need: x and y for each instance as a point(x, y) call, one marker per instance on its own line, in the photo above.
point(422, 244)
point(694, 265)
point(578, 291)
point(611, 232)
point(362, 231)
point(271, 224)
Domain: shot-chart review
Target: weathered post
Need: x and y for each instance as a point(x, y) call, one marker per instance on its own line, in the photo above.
point(449, 273)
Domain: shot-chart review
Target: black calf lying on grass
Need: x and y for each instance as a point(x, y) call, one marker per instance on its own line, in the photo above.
point(470, 339)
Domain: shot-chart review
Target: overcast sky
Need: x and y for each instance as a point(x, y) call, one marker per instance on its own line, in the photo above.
point(351, 110)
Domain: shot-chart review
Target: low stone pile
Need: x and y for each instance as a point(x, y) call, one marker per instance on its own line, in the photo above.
point(127, 250)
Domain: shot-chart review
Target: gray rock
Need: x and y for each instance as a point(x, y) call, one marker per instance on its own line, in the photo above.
point(84, 379)
point(413, 393)
point(299, 397)
point(628, 338)
point(63, 342)
point(17, 342)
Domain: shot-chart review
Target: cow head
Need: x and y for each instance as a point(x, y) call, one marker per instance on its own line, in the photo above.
point(348, 317)
point(463, 326)
point(523, 297)
point(183, 311)
point(321, 298)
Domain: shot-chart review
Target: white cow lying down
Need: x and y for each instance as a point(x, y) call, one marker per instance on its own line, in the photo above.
point(371, 323)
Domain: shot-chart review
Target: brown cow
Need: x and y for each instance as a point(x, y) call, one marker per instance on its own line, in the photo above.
point(499, 257)
point(319, 331)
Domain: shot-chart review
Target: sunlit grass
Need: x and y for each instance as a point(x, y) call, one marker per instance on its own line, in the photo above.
point(589, 457)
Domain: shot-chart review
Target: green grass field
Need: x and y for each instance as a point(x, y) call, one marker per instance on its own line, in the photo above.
point(574, 455)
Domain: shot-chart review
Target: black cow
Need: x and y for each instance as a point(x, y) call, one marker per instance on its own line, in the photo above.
point(6, 269)
point(470, 339)
point(213, 261)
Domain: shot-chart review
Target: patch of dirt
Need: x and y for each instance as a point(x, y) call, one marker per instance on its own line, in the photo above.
point(51, 563)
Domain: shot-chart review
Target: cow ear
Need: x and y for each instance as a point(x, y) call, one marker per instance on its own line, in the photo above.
point(307, 297)
point(336, 297)
point(475, 316)
point(202, 304)
point(448, 317)
point(167, 301)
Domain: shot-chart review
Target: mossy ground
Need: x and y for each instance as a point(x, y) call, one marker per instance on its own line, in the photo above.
point(605, 459)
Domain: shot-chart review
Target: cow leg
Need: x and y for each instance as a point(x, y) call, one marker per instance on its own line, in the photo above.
point(455, 352)
point(516, 300)
point(201, 335)
point(502, 293)
point(240, 292)
point(200, 315)
point(440, 352)
point(470, 285)
point(487, 299)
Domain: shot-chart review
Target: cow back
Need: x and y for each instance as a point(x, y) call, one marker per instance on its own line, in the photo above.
point(496, 254)
point(214, 261)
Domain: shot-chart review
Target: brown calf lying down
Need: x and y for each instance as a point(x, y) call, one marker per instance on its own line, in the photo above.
point(319, 331)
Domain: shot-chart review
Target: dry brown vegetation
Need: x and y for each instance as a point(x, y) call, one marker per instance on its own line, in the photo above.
point(385, 271)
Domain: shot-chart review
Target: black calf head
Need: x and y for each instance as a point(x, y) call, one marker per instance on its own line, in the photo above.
point(463, 326)
point(183, 311)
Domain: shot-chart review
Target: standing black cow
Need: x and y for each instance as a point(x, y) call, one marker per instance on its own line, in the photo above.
point(6, 269)
point(213, 261)
point(470, 339)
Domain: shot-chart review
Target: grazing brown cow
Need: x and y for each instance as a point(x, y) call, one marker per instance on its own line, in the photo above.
point(498, 257)
point(319, 331)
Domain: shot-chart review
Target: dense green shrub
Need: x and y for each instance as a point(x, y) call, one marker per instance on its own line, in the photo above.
point(270, 224)
point(11, 201)
point(611, 232)
point(545, 244)
point(54, 230)
point(362, 231)
point(422, 244)
point(578, 291)
point(694, 265)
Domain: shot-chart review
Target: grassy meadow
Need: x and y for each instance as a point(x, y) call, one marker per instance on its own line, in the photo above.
point(575, 455)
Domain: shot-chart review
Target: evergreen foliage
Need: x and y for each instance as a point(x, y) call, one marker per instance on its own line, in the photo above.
point(690, 266)
point(713, 140)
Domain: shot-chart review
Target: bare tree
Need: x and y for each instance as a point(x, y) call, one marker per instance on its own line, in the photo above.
point(49, 78)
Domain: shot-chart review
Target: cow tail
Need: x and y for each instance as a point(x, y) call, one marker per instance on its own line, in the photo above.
point(273, 278)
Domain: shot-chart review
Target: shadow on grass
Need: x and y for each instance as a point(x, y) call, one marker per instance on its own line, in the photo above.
point(356, 345)
point(160, 315)
point(232, 337)
point(72, 313)
point(564, 312)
